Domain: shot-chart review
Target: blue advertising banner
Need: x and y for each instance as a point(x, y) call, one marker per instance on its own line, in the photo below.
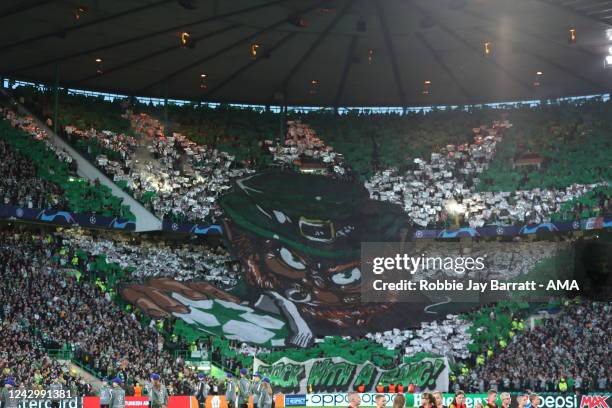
point(98, 221)
point(465, 232)
point(295, 400)
point(513, 230)
point(196, 229)
point(85, 220)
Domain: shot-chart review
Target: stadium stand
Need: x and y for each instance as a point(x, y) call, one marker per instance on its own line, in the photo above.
point(553, 351)
point(54, 170)
point(21, 187)
point(186, 178)
point(70, 313)
point(71, 286)
point(425, 192)
point(190, 192)
point(176, 178)
point(240, 132)
point(152, 258)
point(465, 180)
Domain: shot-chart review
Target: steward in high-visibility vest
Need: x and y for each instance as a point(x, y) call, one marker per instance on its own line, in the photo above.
point(514, 324)
point(480, 360)
point(361, 388)
point(392, 388)
point(380, 388)
point(563, 385)
point(400, 388)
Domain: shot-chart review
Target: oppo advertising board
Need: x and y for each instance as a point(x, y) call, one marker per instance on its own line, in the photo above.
point(367, 400)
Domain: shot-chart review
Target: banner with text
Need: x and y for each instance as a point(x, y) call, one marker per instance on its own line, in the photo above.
point(339, 375)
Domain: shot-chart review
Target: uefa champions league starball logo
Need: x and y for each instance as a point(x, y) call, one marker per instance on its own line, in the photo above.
point(19, 212)
point(500, 231)
point(175, 226)
point(92, 219)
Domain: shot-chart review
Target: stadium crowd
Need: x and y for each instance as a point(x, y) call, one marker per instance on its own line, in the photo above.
point(186, 177)
point(50, 171)
point(176, 178)
point(304, 149)
point(571, 351)
point(29, 125)
point(445, 187)
point(181, 180)
point(452, 174)
point(20, 184)
point(69, 309)
point(64, 312)
point(156, 258)
point(448, 337)
point(71, 312)
point(21, 187)
point(23, 356)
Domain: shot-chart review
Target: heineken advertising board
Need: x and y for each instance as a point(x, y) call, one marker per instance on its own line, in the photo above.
point(338, 375)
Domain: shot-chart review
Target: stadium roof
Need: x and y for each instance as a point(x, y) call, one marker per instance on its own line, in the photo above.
point(314, 52)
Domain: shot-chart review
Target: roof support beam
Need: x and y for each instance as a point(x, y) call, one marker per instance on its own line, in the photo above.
point(153, 55)
point(528, 33)
point(445, 67)
point(145, 36)
point(224, 49)
point(490, 60)
point(56, 86)
point(313, 47)
point(23, 7)
point(599, 87)
point(593, 6)
point(600, 12)
point(391, 49)
point(90, 23)
point(247, 66)
point(572, 10)
point(345, 71)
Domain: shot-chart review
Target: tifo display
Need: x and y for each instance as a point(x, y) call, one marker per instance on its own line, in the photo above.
point(305, 203)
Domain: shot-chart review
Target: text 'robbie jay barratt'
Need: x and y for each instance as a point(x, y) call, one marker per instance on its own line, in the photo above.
point(472, 285)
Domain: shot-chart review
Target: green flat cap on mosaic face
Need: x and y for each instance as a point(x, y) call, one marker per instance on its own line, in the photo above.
point(316, 214)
